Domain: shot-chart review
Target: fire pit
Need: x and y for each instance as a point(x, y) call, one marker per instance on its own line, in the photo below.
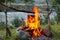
point(32, 30)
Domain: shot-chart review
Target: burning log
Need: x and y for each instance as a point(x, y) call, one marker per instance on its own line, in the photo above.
point(28, 34)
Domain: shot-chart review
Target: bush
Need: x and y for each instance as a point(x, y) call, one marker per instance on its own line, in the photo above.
point(2, 25)
point(16, 22)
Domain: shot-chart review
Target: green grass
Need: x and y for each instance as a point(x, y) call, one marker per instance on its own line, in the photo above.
point(14, 35)
point(56, 32)
point(54, 28)
point(2, 33)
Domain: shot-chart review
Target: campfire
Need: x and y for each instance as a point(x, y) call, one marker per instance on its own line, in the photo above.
point(33, 23)
point(33, 28)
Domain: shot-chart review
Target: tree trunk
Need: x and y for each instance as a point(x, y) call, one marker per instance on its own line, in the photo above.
point(7, 29)
point(48, 25)
point(48, 11)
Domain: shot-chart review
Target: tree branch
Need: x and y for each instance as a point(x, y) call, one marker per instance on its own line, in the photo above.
point(15, 8)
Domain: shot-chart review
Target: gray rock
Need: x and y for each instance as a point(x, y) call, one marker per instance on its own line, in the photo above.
point(22, 34)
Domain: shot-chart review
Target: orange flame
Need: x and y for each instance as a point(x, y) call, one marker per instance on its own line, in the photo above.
point(33, 22)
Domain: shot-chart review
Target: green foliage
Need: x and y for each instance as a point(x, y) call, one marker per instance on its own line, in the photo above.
point(57, 19)
point(2, 25)
point(28, 1)
point(11, 0)
point(0, 17)
point(52, 21)
point(45, 19)
point(2, 0)
point(58, 14)
point(17, 22)
point(56, 6)
point(57, 1)
point(53, 2)
point(7, 0)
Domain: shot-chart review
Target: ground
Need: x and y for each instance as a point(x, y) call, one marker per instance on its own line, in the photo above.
point(54, 28)
point(2, 33)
